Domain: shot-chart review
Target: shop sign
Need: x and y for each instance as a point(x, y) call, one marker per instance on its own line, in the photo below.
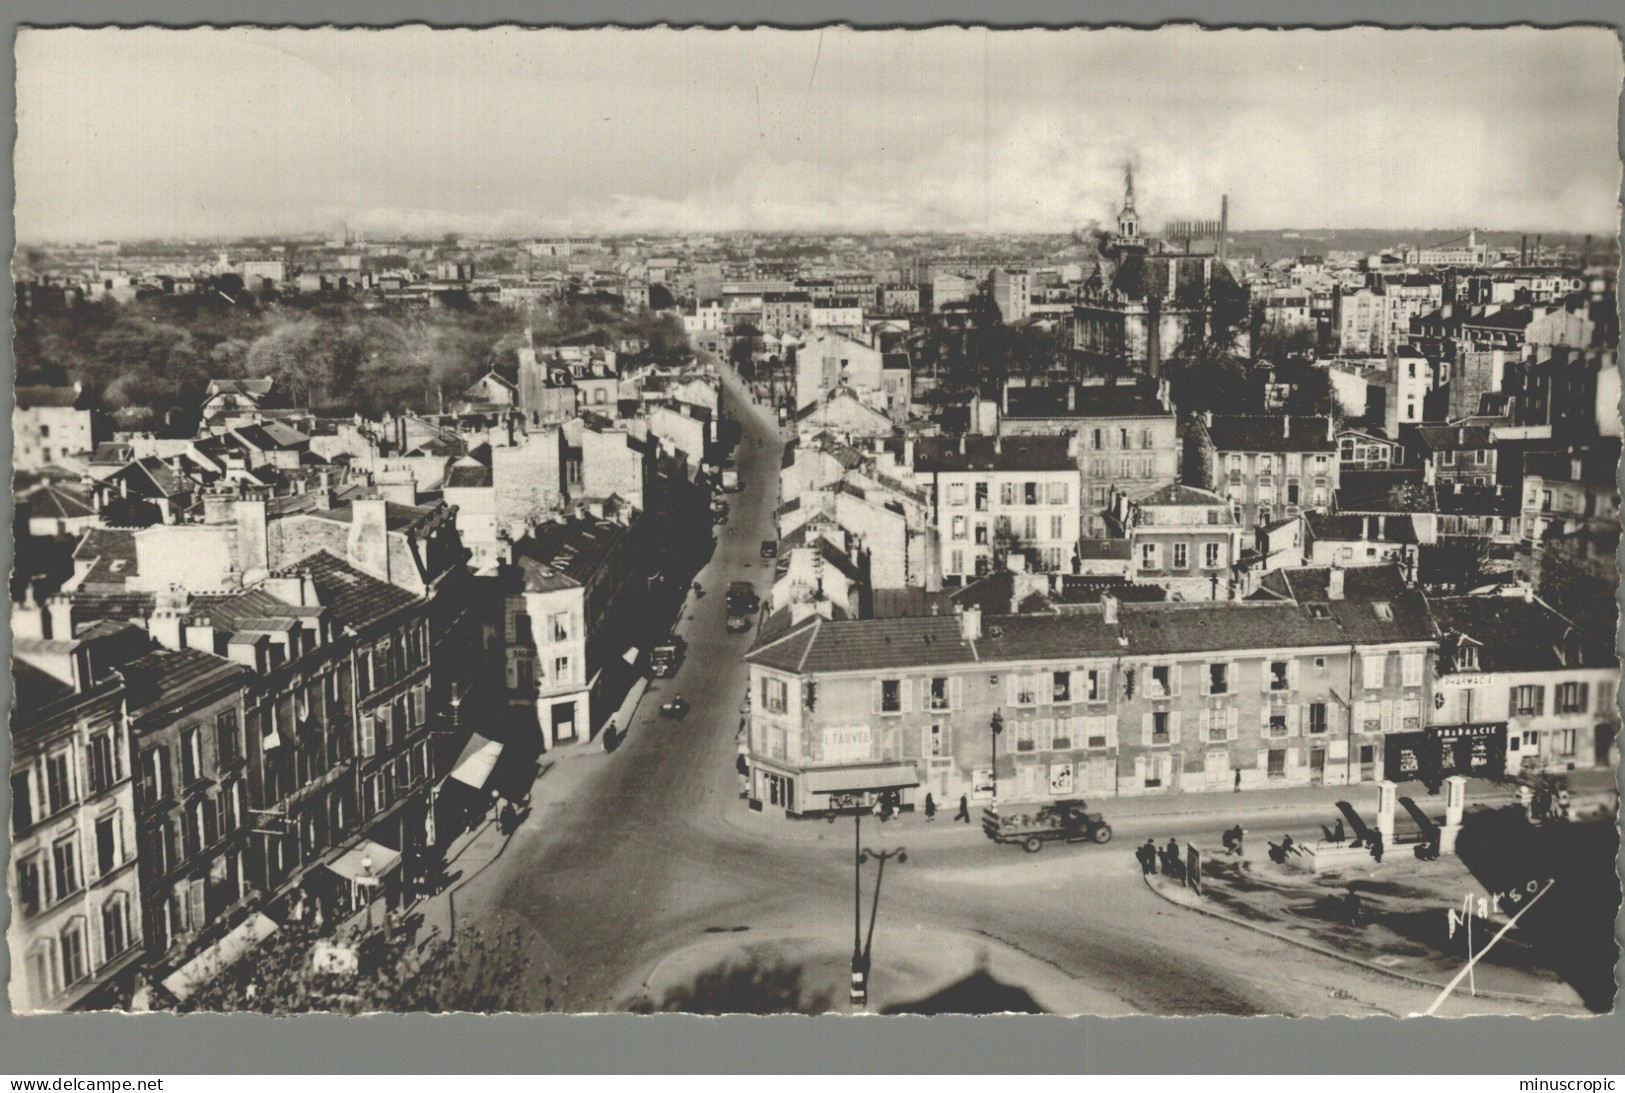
point(853, 744)
point(1060, 779)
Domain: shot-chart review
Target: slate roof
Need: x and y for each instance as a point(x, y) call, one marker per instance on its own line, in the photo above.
point(41, 397)
point(1479, 501)
point(59, 502)
point(396, 517)
point(579, 547)
point(900, 603)
point(982, 453)
point(1178, 494)
point(165, 676)
point(1089, 400)
point(1352, 527)
point(1104, 550)
point(1515, 635)
point(1384, 491)
point(354, 598)
point(34, 688)
point(1449, 438)
point(108, 543)
point(1354, 614)
point(467, 478)
point(818, 644)
point(1242, 433)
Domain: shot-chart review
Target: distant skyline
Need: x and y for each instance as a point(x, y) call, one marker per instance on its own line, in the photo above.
point(151, 133)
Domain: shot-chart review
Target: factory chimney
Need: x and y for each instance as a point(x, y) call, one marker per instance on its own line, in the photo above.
point(1224, 227)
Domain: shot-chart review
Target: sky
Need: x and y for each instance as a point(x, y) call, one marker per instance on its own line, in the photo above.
point(202, 133)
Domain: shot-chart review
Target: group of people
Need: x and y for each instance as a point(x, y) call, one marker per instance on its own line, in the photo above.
point(962, 814)
point(1167, 859)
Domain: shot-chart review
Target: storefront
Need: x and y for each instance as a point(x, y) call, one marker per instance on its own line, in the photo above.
point(831, 790)
point(1476, 750)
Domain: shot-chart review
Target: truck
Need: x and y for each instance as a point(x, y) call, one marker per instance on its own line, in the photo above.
point(1032, 824)
point(665, 658)
point(730, 480)
point(742, 598)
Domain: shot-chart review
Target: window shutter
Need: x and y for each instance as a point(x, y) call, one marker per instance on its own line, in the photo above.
point(1264, 720)
point(1204, 678)
point(1111, 731)
point(1540, 700)
point(1512, 701)
point(1230, 724)
point(1206, 723)
point(1173, 727)
point(1045, 688)
point(368, 741)
point(953, 693)
point(1388, 723)
point(1585, 697)
point(1232, 678)
point(905, 695)
point(1145, 728)
point(1264, 675)
point(874, 694)
point(1292, 674)
point(1294, 720)
point(1175, 671)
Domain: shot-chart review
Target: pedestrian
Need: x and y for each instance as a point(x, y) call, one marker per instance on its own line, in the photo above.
point(930, 808)
point(1148, 858)
point(1352, 907)
point(1376, 847)
point(1171, 863)
point(1230, 840)
point(964, 809)
point(1241, 835)
point(1287, 845)
point(1238, 780)
point(1337, 832)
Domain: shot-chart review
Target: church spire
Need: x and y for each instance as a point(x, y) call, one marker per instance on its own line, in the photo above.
point(1128, 188)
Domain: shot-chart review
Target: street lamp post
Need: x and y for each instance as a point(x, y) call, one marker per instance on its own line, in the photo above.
point(863, 949)
point(995, 726)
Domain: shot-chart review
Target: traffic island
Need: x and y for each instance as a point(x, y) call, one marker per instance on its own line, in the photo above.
point(1404, 917)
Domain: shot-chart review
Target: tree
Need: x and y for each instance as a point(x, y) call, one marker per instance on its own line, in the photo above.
point(471, 973)
point(758, 986)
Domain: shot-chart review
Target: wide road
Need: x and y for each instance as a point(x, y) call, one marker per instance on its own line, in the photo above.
point(635, 855)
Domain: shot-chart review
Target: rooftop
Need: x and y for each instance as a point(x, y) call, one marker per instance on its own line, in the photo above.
point(1518, 635)
point(1276, 433)
point(985, 453)
point(1084, 400)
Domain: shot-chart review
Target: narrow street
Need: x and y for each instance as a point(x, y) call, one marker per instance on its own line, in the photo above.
point(633, 856)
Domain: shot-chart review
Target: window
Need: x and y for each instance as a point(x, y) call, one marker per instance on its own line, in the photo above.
point(940, 694)
point(1024, 736)
point(1057, 527)
point(1026, 690)
point(891, 696)
point(1123, 439)
point(559, 623)
point(115, 925)
point(1029, 493)
point(956, 560)
point(363, 672)
point(72, 941)
point(1277, 763)
point(107, 845)
point(1094, 685)
point(22, 801)
point(1210, 555)
point(1218, 679)
point(1566, 742)
point(1371, 716)
point(1317, 717)
point(1056, 493)
point(104, 766)
point(525, 673)
point(1148, 556)
point(1159, 727)
point(1164, 681)
point(30, 890)
point(775, 695)
point(1007, 493)
point(1029, 528)
point(561, 670)
point(1145, 438)
point(1181, 555)
point(227, 740)
point(1571, 698)
point(981, 497)
point(1383, 611)
point(960, 525)
point(934, 742)
point(956, 493)
point(1062, 683)
point(59, 780)
point(1096, 439)
point(1277, 723)
point(65, 857)
point(1527, 700)
point(191, 755)
point(1373, 667)
point(1279, 675)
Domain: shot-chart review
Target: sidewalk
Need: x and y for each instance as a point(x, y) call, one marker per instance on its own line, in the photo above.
point(1403, 929)
point(1122, 812)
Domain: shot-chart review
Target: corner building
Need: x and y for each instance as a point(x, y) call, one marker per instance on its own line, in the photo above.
point(1298, 686)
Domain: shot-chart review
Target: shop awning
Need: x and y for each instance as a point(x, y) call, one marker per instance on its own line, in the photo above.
point(352, 864)
point(479, 758)
point(845, 779)
point(244, 938)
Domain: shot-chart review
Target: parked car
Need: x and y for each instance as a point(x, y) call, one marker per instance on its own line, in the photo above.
point(742, 598)
point(676, 709)
point(738, 624)
point(770, 549)
point(666, 658)
point(719, 516)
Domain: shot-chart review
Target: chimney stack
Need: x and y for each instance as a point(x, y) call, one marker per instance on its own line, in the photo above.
point(1108, 608)
point(1334, 583)
point(1286, 425)
point(970, 624)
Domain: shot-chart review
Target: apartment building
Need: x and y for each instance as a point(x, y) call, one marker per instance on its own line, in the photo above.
point(1298, 687)
point(1268, 467)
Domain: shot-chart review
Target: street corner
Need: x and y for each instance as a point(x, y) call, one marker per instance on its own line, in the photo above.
point(809, 971)
point(1406, 917)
